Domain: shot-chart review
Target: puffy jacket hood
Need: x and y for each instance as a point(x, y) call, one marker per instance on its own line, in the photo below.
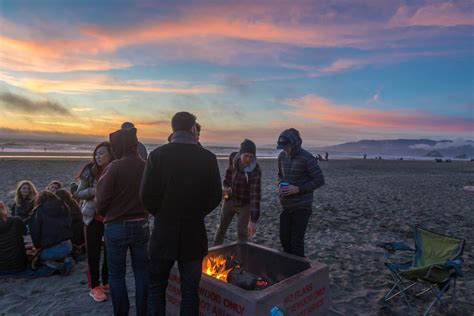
point(293, 136)
point(124, 142)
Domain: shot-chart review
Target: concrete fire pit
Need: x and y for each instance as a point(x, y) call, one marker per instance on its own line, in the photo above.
point(301, 288)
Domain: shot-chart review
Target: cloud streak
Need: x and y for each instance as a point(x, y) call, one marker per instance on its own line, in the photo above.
point(322, 110)
point(19, 103)
point(91, 83)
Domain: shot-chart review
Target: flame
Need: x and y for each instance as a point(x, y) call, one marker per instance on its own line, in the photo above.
point(215, 266)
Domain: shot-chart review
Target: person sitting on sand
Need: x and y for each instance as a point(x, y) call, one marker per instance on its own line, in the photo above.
point(77, 240)
point(126, 221)
point(53, 186)
point(24, 201)
point(299, 175)
point(51, 232)
point(12, 248)
point(242, 193)
point(94, 222)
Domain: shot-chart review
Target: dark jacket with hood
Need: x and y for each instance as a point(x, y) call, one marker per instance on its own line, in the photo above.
point(51, 224)
point(12, 247)
point(117, 191)
point(181, 185)
point(301, 169)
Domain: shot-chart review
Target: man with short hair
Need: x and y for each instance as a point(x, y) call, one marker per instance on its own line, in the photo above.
point(141, 148)
point(242, 193)
point(180, 186)
point(299, 175)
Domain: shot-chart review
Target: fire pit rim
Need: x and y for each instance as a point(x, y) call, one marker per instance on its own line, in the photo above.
point(261, 294)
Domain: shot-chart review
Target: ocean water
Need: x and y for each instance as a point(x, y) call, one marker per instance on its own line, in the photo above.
point(74, 150)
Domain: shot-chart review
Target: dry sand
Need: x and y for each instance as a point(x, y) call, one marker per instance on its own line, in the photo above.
point(362, 203)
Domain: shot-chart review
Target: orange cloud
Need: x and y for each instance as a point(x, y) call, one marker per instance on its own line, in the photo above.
point(320, 109)
point(90, 83)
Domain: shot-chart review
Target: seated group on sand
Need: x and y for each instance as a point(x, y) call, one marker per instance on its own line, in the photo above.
point(179, 184)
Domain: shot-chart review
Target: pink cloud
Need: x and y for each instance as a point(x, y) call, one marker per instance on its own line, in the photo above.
point(436, 14)
point(322, 110)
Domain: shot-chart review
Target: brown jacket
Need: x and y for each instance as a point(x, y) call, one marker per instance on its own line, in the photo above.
point(117, 191)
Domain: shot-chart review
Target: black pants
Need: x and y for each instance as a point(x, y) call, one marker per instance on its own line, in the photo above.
point(292, 230)
point(190, 276)
point(94, 233)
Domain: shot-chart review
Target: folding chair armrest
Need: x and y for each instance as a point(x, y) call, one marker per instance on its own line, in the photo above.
point(391, 247)
point(455, 265)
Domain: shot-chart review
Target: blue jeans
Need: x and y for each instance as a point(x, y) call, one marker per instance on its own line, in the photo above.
point(190, 275)
point(58, 252)
point(119, 237)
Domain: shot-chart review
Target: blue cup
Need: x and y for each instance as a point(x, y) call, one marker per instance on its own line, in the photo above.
point(284, 185)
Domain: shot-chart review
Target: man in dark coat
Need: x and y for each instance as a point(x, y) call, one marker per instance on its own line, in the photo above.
point(299, 175)
point(181, 185)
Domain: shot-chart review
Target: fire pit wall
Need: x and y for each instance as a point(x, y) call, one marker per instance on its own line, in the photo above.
point(301, 288)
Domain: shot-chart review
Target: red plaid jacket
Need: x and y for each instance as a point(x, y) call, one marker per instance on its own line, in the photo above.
point(246, 186)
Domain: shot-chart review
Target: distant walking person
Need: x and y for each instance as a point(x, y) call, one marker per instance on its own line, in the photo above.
point(126, 221)
point(242, 193)
point(142, 152)
point(181, 185)
point(299, 175)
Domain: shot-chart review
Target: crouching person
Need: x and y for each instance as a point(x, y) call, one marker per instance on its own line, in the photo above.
point(51, 232)
point(126, 221)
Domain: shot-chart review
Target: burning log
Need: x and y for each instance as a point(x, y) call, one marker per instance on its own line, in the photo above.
point(242, 279)
point(229, 269)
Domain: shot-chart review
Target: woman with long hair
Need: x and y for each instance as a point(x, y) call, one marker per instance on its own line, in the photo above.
point(51, 232)
point(94, 223)
point(24, 201)
point(54, 185)
point(78, 241)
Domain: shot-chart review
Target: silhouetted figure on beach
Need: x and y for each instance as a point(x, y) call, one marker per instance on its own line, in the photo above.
point(299, 175)
point(365, 156)
point(143, 153)
point(181, 185)
point(326, 156)
point(126, 221)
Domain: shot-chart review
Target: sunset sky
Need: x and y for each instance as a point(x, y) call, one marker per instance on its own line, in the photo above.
point(337, 70)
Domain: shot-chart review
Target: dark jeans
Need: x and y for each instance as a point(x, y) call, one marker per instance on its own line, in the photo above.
point(292, 230)
point(120, 237)
point(190, 276)
point(94, 233)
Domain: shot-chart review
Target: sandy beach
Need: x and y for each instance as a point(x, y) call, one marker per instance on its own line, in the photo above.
point(362, 203)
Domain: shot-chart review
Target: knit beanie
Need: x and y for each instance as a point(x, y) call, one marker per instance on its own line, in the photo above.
point(248, 146)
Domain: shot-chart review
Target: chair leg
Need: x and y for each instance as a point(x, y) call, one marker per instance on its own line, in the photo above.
point(438, 297)
point(402, 289)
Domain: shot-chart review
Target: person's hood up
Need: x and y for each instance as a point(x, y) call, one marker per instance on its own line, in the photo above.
point(292, 136)
point(124, 142)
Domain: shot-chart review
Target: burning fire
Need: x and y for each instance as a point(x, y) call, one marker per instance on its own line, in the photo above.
point(215, 266)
